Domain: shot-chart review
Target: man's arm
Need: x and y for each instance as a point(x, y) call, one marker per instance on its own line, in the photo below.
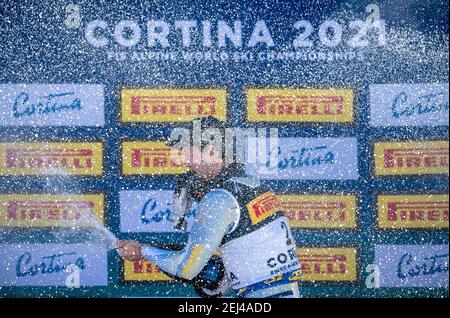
point(217, 212)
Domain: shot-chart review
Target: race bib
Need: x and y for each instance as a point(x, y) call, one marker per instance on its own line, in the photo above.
point(260, 255)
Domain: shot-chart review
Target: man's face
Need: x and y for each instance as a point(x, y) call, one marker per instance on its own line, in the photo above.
point(204, 162)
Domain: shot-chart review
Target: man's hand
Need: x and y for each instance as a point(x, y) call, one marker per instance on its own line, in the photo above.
point(130, 250)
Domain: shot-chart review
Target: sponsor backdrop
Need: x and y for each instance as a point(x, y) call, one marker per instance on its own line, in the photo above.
point(358, 91)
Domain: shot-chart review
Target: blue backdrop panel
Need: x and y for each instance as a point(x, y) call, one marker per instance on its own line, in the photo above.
point(43, 42)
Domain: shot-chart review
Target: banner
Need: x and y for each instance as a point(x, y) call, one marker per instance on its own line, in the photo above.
point(149, 211)
point(150, 158)
point(50, 210)
point(408, 105)
point(51, 158)
point(304, 159)
point(412, 265)
point(300, 105)
point(53, 265)
point(51, 105)
point(143, 271)
point(172, 105)
point(413, 211)
point(320, 211)
point(327, 264)
point(411, 158)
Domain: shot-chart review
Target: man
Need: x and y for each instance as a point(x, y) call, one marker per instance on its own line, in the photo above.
point(237, 218)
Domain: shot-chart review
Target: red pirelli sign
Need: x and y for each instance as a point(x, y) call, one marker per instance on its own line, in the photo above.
point(409, 158)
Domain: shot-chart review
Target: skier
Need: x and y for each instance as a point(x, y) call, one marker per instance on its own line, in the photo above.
point(238, 219)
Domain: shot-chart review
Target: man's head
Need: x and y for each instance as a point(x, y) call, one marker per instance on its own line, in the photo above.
point(202, 145)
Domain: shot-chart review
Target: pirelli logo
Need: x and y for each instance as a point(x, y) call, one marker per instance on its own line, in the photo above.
point(327, 264)
point(263, 206)
point(413, 211)
point(172, 105)
point(300, 105)
point(320, 211)
point(143, 271)
point(50, 210)
point(151, 158)
point(51, 158)
point(411, 158)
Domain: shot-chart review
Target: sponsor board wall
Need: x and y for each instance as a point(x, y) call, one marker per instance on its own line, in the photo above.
point(363, 145)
